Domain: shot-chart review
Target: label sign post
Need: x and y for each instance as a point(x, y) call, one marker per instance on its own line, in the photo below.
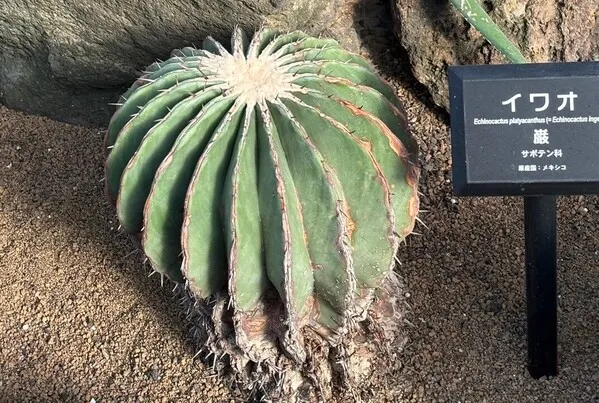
point(528, 130)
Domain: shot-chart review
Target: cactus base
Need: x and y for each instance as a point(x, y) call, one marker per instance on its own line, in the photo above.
point(367, 354)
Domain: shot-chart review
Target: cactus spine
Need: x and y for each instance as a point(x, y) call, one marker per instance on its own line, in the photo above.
point(275, 179)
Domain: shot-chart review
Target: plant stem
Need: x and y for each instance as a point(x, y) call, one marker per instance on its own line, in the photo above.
point(472, 11)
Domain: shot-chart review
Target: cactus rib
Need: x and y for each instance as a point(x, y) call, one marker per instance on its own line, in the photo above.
point(325, 215)
point(163, 211)
point(138, 175)
point(247, 282)
point(288, 262)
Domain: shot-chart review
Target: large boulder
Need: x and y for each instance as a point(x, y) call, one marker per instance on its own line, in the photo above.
point(436, 36)
point(69, 59)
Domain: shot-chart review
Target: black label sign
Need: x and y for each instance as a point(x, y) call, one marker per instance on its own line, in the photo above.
point(525, 129)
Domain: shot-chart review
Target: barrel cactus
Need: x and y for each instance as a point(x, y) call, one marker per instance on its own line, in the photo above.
point(275, 181)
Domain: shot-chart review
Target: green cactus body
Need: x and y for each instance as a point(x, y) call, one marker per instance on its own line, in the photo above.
point(279, 173)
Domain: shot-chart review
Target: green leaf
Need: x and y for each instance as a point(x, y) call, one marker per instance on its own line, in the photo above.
point(472, 11)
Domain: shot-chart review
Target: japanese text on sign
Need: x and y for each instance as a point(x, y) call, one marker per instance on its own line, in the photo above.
point(541, 102)
point(566, 99)
point(541, 137)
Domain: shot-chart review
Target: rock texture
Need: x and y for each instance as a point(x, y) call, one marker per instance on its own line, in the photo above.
point(68, 59)
point(435, 35)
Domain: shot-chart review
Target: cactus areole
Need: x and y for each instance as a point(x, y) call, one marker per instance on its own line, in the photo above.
point(275, 179)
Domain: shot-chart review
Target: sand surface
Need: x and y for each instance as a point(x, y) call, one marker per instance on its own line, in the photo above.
point(80, 319)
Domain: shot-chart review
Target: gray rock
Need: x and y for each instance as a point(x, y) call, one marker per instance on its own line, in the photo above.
point(436, 36)
point(69, 59)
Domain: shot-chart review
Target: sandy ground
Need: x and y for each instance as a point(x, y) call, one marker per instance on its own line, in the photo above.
point(81, 320)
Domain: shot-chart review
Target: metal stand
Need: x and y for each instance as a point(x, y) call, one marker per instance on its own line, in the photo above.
point(540, 223)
